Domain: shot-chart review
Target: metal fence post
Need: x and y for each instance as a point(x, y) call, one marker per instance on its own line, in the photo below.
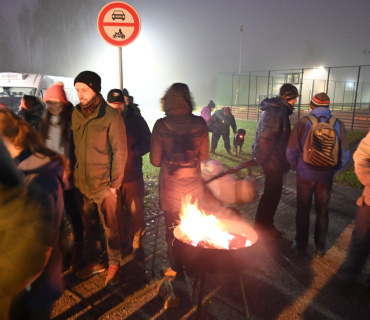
point(258, 109)
point(249, 92)
point(232, 90)
point(327, 82)
point(344, 93)
point(300, 95)
point(335, 85)
point(354, 107)
point(268, 84)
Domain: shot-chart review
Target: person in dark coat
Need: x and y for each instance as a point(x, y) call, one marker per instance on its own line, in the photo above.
point(222, 120)
point(176, 180)
point(132, 189)
point(31, 110)
point(269, 147)
point(45, 169)
point(129, 101)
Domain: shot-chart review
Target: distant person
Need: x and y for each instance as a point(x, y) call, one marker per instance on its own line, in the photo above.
point(101, 151)
point(132, 189)
point(206, 113)
point(270, 141)
point(57, 133)
point(45, 169)
point(359, 246)
point(31, 110)
point(222, 120)
point(129, 101)
point(179, 144)
point(316, 153)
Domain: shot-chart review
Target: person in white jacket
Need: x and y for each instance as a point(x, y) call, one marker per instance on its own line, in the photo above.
point(359, 247)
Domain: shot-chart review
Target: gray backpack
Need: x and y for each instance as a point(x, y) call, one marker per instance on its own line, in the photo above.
point(321, 149)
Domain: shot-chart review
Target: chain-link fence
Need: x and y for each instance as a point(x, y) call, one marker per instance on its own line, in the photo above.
point(347, 87)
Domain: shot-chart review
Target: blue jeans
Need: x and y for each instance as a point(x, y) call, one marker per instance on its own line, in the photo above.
point(305, 192)
point(359, 247)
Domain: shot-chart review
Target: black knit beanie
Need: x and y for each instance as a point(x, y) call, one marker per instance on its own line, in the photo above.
point(125, 92)
point(91, 79)
point(288, 91)
point(211, 104)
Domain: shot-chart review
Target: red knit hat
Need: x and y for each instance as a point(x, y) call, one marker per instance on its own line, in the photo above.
point(56, 91)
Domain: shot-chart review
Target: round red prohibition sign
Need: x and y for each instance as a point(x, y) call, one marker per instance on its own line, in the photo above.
point(118, 24)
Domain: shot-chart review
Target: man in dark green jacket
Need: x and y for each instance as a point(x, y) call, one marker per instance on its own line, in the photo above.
point(101, 152)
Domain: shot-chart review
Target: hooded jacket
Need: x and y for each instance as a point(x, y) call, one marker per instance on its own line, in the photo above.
point(33, 116)
point(174, 185)
point(272, 134)
point(100, 148)
point(138, 144)
point(294, 151)
point(222, 123)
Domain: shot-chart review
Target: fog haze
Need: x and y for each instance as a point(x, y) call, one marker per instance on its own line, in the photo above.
point(182, 41)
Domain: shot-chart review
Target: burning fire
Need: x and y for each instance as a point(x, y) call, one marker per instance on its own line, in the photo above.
point(197, 226)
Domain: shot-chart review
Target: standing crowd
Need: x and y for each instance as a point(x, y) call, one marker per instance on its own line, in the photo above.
point(87, 160)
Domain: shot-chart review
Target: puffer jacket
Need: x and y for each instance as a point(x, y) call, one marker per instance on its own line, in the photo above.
point(138, 144)
point(272, 134)
point(174, 185)
point(222, 123)
point(361, 157)
point(100, 148)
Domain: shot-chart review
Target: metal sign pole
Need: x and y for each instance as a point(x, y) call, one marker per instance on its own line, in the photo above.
point(120, 68)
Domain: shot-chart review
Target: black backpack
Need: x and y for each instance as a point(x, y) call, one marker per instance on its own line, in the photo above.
point(321, 149)
point(183, 154)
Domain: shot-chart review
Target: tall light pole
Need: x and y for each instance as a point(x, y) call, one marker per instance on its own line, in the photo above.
point(240, 48)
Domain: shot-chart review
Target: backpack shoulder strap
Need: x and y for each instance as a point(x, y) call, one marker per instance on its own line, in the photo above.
point(313, 119)
point(332, 121)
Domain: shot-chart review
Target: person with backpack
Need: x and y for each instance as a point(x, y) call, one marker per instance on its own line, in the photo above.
point(179, 144)
point(317, 148)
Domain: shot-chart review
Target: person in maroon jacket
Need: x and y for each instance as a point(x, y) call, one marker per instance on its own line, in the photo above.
point(175, 178)
point(132, 189)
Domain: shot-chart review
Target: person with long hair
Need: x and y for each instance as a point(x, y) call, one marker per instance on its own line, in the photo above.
point(57, 133)
point(44, 169)
point(180, 172)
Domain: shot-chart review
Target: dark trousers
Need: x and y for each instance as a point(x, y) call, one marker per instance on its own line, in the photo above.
point(70, 205)
point(305, 192)
point(271, 197)
point(101, 206)
point(359, 247)
point(216, 136)
point(172, 220)
point(131, 196)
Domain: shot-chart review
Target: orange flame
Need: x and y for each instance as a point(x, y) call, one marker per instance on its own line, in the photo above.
point(198, 226)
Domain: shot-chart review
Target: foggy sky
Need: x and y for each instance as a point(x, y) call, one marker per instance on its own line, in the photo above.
point(188, 41)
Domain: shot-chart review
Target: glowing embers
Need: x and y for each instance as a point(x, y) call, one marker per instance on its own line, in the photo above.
point(202, 230)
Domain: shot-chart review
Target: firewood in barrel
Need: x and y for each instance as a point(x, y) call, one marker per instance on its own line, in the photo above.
point(238, 241)
point(165, 291)
point(208, 244)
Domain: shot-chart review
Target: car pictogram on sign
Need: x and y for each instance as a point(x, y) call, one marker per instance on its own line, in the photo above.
point(118, 14)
